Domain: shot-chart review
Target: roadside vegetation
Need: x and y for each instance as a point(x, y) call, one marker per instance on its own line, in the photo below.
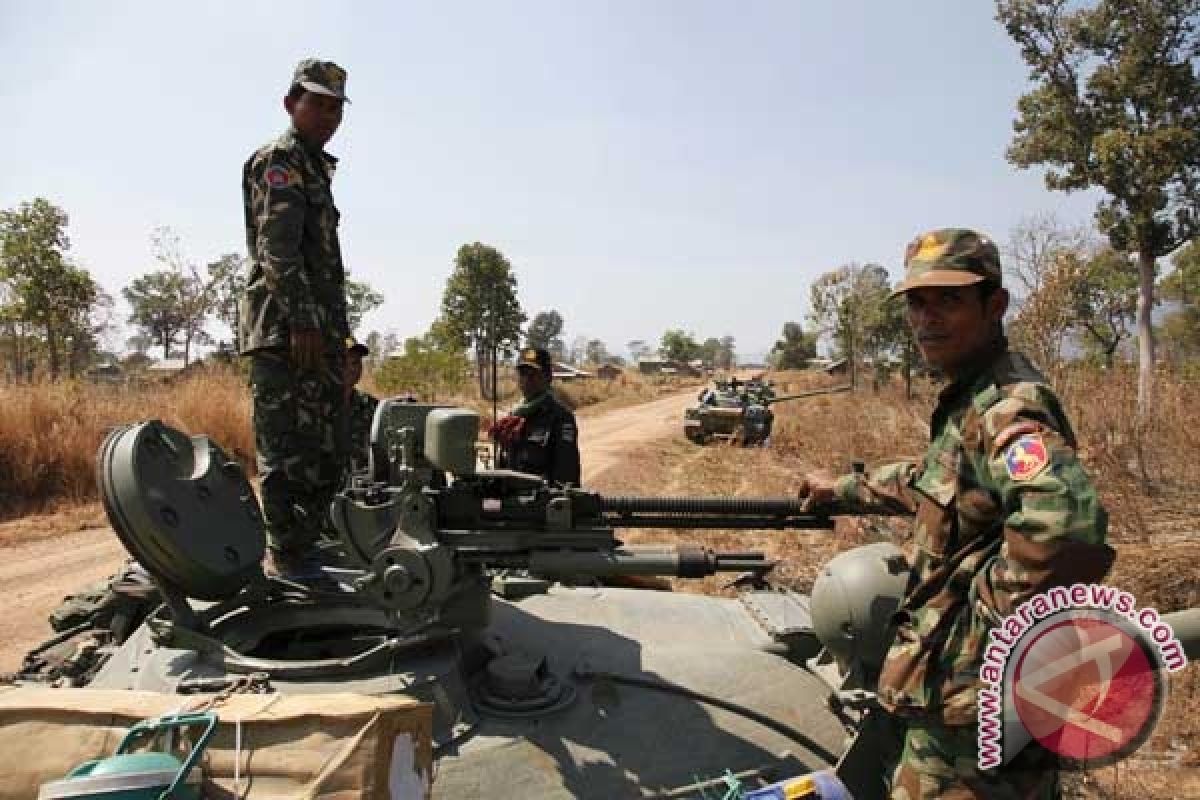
point(50, 432)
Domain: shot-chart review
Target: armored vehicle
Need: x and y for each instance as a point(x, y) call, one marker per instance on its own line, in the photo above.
point(739, 412)
point(484, 594)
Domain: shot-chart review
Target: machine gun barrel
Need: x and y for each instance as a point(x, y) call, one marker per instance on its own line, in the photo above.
point(709, 512)
point(682, 562)
point(813, 393)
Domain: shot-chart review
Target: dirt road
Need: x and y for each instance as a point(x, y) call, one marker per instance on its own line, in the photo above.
point(36, 575)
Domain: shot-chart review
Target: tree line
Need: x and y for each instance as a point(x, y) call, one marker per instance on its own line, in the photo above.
point(54, 314)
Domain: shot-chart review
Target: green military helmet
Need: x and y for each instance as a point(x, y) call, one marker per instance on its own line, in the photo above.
point(950, 257)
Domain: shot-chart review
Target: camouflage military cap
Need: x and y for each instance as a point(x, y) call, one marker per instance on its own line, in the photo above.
point(356, 347)
point(535, 357)
point(322, 77)
point(950, 257)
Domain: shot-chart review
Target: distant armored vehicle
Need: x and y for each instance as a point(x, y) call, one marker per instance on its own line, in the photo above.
point(738, 411)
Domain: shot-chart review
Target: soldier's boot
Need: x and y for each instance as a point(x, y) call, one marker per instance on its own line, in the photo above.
point(305, 567)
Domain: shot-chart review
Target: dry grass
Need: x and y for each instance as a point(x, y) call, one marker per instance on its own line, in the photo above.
point(49, 433)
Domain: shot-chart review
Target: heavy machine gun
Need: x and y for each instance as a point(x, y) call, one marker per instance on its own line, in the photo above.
point(423, 539)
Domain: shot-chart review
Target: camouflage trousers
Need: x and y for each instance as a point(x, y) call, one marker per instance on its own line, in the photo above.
point(942, 761)
point(300, 439)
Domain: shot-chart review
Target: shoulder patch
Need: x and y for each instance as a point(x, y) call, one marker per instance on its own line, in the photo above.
point(1026, 457)
point(278, 177)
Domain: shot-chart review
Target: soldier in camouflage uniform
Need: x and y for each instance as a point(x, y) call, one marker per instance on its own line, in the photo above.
point(293, 319)
point(360, 406)
point(1003, 510)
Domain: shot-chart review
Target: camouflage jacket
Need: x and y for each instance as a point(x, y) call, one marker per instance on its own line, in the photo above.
point(548, 444)
point(360, 413)
point(296, 278)
point(1004, 510)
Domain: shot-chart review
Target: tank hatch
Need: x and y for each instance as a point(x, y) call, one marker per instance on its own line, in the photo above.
point(182, 508)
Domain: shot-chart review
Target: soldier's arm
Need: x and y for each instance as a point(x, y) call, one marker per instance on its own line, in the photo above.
point(1054, 526)
point(886, 490)
point(565, 467)
point(279, 202)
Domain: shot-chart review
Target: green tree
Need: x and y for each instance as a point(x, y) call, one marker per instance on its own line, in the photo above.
point(194, 294)
point(710, 348)
point(1116, 106)
point(425, 368)
point(794, 349)
point(596, 352)
point(156, 300)
point(1183, 283)
point(228, 278)
point(1181, 334)
point(1104, 293)
point(45, 295)
point(545, 331)
point(480, 310)
point(850, 305)
point(361, 299)
point(678, 345)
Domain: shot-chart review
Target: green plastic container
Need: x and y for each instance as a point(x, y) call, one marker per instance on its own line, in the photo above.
point(138, 776)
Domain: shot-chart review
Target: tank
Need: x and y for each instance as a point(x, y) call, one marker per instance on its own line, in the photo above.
point(490, 595)
point(739, 412)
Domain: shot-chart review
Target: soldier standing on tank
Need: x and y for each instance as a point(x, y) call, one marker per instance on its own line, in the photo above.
point(293, 320)
point(360, 406)
point(539, 436)
point(1003, 510)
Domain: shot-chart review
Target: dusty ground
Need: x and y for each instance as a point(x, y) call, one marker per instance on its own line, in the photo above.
point(44, 558)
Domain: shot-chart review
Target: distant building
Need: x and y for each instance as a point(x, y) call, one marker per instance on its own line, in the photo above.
point(566, 372)
point(662, 366)
point(609, 372)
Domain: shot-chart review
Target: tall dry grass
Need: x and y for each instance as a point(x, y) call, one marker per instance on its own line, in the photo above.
point(49, 433)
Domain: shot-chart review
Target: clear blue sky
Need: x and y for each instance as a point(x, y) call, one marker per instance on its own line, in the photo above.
point(643, 165)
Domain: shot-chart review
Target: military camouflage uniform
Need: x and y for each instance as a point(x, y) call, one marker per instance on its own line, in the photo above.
point(361, 412)
point(1004, 510)
point(296, 280)
point(548, 444)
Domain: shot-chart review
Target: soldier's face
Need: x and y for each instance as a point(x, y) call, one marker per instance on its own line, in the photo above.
point(954, 324)
point(315, 116)
point(531, 382)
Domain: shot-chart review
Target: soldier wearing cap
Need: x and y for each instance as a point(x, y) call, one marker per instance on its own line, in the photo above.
point(1003, 508)
point(293, 323)
point(360, 406)
point(539, 436)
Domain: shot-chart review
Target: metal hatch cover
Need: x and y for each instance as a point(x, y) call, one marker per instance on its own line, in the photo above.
point(182, 508)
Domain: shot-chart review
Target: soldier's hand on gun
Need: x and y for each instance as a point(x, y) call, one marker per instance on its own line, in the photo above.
point(817, 488)
point(307, 348)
